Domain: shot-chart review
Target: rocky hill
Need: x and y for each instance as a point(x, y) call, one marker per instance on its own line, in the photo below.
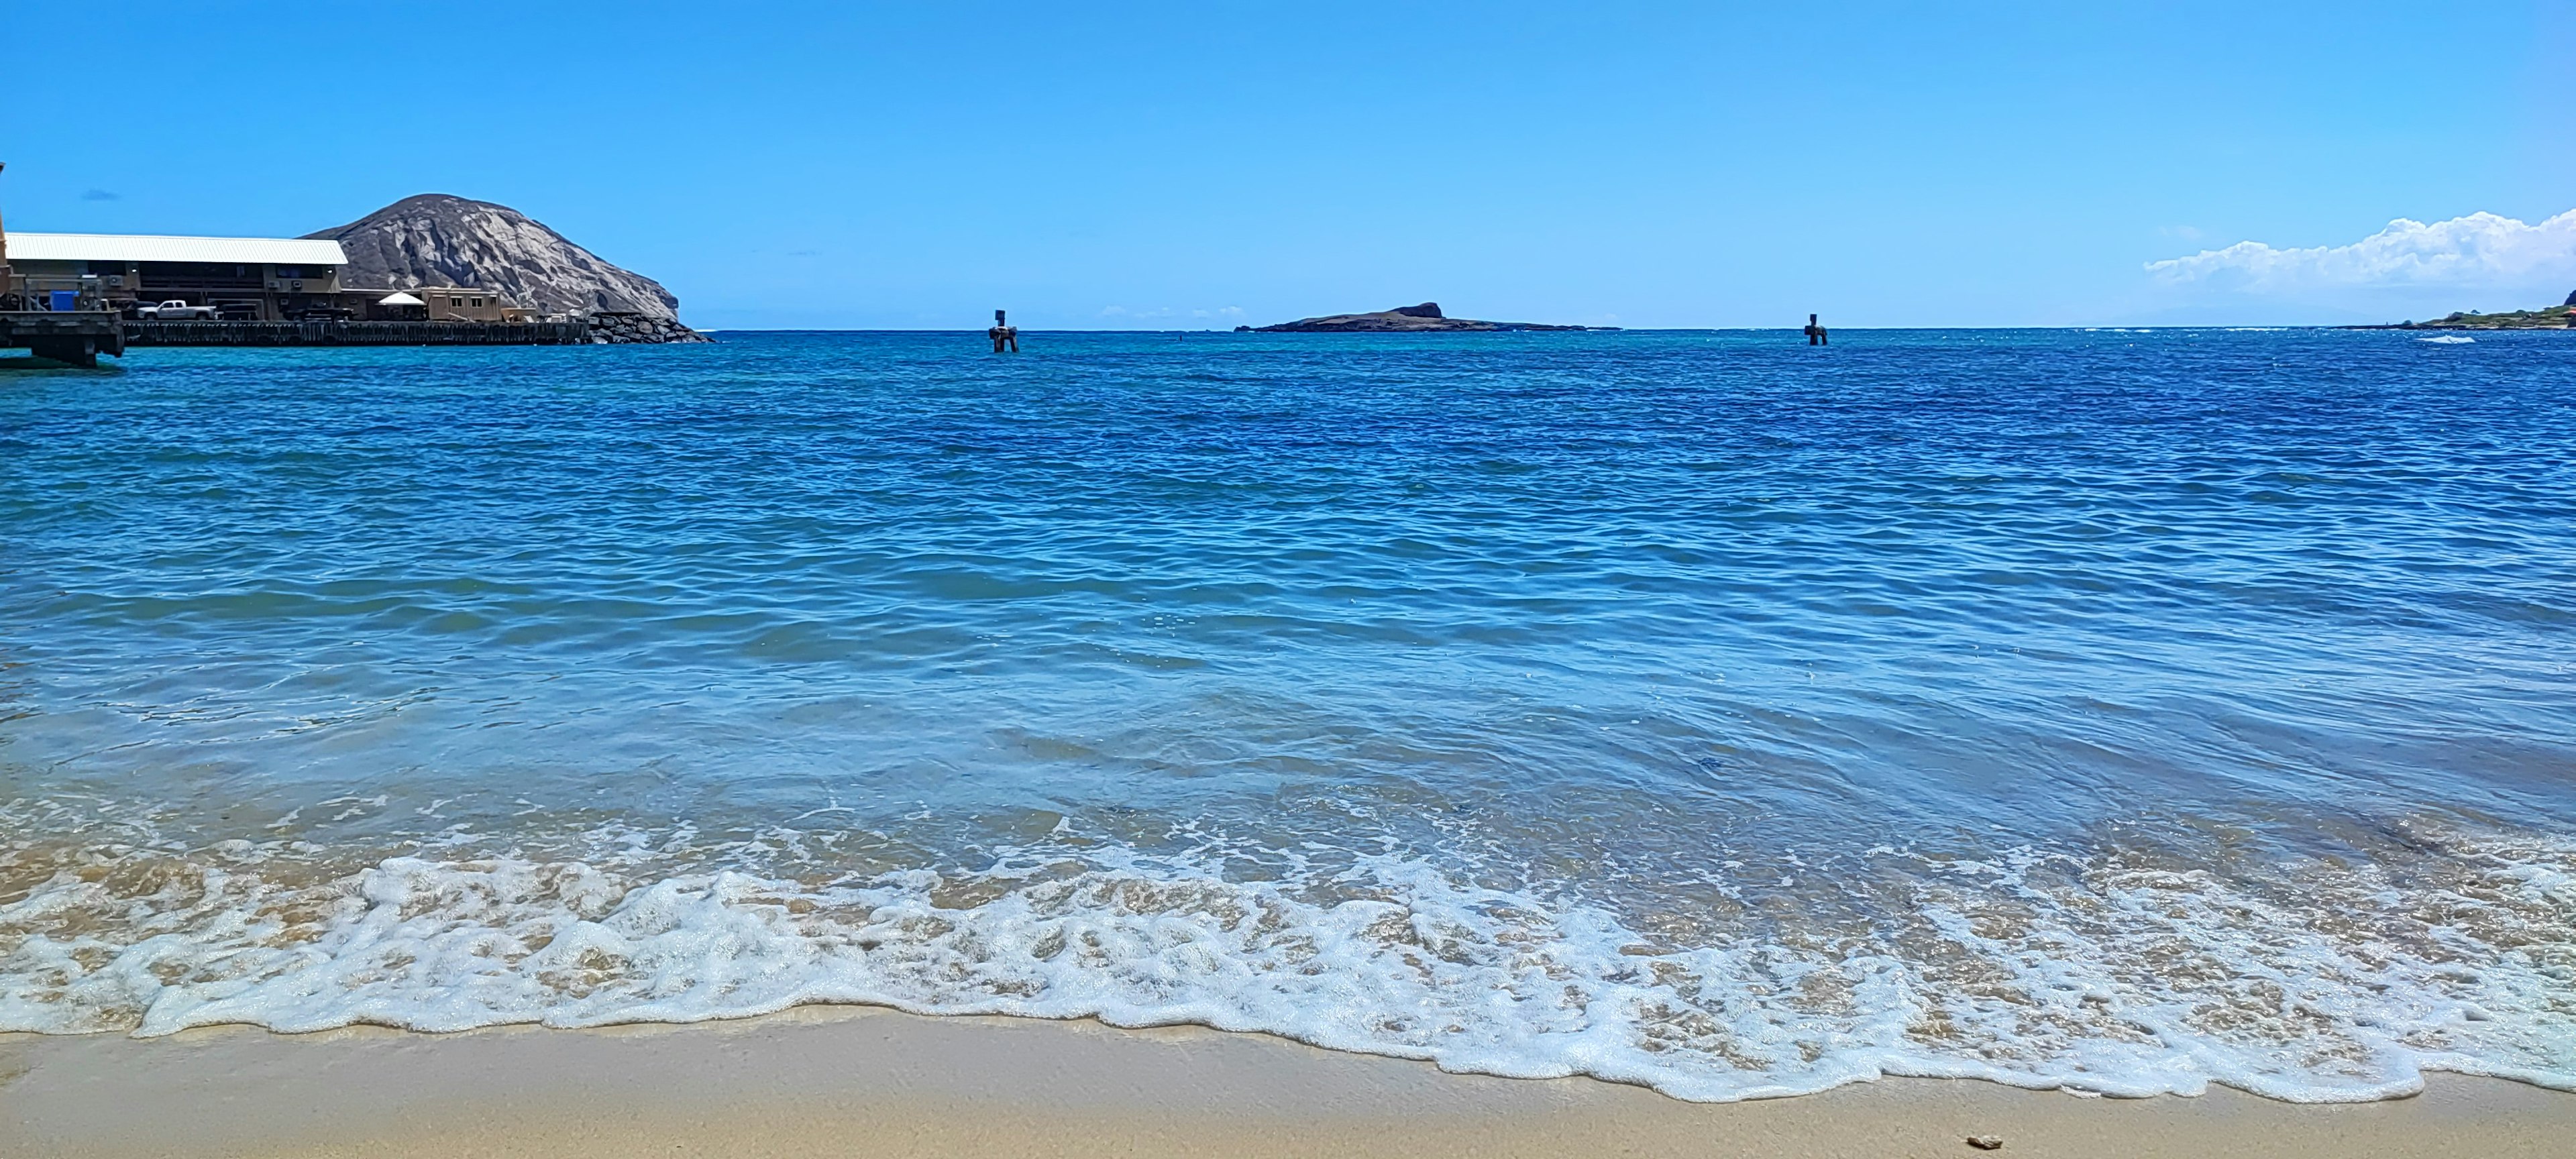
point(1400, 320)
point(438, 240)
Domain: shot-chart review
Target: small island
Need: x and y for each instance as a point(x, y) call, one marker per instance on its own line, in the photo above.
point(1401, 320)
point(2562, 317)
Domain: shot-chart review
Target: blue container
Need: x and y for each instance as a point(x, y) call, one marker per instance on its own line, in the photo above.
point(66, 300)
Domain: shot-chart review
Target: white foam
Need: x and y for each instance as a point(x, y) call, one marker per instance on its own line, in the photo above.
point(2449, 339)
point(2126, 981)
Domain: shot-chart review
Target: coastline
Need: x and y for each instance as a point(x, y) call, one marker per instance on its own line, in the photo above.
point(857, 1080)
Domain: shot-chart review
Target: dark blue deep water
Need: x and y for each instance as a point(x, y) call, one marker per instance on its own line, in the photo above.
point(2120, 711)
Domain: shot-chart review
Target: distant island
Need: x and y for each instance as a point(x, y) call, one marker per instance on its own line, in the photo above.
point(1401, 320)
point(2561, 317)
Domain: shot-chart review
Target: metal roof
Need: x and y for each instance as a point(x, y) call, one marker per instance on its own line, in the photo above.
point(108, 247)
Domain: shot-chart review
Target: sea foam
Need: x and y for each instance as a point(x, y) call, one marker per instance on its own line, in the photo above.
point(2026, 970)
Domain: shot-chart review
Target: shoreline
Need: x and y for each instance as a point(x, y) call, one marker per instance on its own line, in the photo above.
point(863, 1080)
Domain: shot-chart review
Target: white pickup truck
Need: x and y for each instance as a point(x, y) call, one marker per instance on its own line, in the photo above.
point(175, 310)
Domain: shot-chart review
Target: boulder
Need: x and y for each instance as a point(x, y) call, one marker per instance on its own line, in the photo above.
point(621, 328)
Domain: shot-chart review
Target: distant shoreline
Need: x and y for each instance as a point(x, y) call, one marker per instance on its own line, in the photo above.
point(2553, 318)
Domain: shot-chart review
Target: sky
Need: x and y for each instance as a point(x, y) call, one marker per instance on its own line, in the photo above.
point(1203, 165)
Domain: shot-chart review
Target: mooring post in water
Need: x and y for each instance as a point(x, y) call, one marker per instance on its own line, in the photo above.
point(1815, 333)
point(1003, 334)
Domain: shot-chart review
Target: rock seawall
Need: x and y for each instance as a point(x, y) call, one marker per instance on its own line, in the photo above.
point(624, 329)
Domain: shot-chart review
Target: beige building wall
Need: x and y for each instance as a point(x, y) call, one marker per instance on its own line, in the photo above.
point(303, 279)
point(454, 304)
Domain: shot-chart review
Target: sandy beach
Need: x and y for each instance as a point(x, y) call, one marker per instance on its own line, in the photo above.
point(870, 1082)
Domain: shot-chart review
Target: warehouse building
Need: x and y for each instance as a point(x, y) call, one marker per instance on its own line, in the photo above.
point(251, 278)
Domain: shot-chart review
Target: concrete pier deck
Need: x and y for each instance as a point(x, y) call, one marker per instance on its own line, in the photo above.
point(79, 338)
point(75, 337)
point(357, 333)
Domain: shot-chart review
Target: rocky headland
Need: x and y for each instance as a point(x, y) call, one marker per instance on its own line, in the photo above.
point(2562, 317)
point(436, 239)
point(1424, 318)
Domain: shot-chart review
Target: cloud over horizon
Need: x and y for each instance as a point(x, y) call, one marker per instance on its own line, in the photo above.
point(2479, 250)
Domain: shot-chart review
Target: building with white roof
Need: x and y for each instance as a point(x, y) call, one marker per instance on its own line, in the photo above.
point(258, 278)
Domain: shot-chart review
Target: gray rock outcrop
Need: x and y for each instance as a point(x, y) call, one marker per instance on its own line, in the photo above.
point(436, 239)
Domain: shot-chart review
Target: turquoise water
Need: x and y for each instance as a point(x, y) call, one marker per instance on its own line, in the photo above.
point(2115, 711)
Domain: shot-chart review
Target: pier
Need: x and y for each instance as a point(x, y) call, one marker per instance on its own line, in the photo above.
point(76, 337)
point(149, 333)
point(79, 337)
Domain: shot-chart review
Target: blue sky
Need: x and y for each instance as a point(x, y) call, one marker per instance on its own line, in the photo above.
point(1190, 165)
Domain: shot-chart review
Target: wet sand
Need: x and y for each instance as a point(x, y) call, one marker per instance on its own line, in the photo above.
point(867, 1082)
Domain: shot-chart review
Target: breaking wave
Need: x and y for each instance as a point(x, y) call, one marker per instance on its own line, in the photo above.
point(2033, 969)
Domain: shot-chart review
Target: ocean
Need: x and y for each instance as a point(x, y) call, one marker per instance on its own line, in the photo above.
point(2121, 712)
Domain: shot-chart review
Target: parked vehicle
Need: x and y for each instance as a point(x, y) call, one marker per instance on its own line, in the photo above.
point(175, 310)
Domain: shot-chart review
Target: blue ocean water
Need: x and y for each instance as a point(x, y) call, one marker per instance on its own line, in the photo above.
point(2117, 711)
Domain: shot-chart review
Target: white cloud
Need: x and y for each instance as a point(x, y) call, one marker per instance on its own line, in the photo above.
point(2480, 250)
